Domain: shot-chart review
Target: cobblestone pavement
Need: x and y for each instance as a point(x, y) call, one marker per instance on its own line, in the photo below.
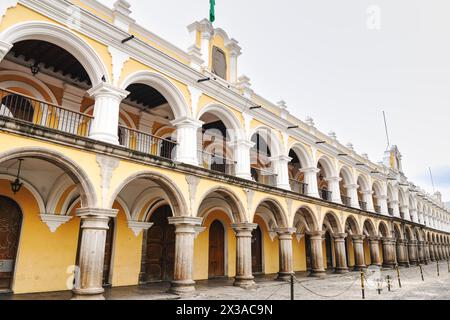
point(335, 287)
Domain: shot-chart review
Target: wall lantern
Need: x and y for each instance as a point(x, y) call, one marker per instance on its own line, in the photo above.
point(17, 185)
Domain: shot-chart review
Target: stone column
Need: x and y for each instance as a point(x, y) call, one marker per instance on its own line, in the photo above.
point(143, 273)
point(382, 203)
point(285, 255)
point(375, 256)
point(431, 249)
point(413, 259)
point(187, 148)
point(422, 254)
point(244, 276)
point(281, 169)
point(317, 266)
point(185, 231)
point(105, 125)
point(394, 205)
point(352, 192)
point(333, 186)
point(427, 252)
point(94, 225)
point(358, 245)
point(242, 158)
point(340, 252)
point(439, 250)
point(311, 181)
point(368, 198)
point(389, 253)
point(402, 254)
point(436, 252)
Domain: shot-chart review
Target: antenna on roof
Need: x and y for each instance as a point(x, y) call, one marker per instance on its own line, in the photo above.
point(387, 131)
point(432, 180)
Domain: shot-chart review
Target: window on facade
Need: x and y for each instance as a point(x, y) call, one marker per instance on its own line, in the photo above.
point(219, 63)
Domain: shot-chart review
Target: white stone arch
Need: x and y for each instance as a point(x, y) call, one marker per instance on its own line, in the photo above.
point(61, 185)
point(353, 223)
point(347, 175)
point(276, 211)
point(331, 220)
point(70, 167)
point(328, 166)
point(31, 188)
point(227, 117)
point(363, 182)
point(145, 200)
point(303, 154)
point(275, 145)
point(64, 38)
point(165, 87)
point(305, 215)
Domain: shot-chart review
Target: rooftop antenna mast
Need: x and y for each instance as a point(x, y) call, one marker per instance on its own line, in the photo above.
point(387, 131)
point(432, 180)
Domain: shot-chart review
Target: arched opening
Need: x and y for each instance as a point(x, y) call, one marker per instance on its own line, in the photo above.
point(305, 224)
point(324, 173)
point(345, 181)
point(262, 169)
point(351, 228)
point(296, 175)
point(216, 266)
point(25, 100)
point(390, 200)
point(329, 250)
point(363, 192)
point(330, 226)
point(215, 152)
point(160, 246)
point(368, 232)
point(10, 223)
point(376, 197)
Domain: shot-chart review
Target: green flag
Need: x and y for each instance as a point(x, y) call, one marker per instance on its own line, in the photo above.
point(212, 10)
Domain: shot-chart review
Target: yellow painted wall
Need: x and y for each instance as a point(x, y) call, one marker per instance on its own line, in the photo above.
point(43, 257)
point(270, 249)
point(201, 247)
point(299, 254)
point(351, 253)
point(127, 252)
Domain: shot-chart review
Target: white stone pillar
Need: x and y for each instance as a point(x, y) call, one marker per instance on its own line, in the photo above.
point(105, 125)
point(206, 36)
point(382, 203)
point(311, 181)
point(405, 211)
point(242, 158)
point(414, 216)
point(185, 230)
point(368, 198)
point(94, 225)
point(286, 267)
point(187, 140)
point(244, 276)
point(4, 49)
point(235, 52)
point(281, 170)
point(333, 186)
point(394, 204)
point(352, 192)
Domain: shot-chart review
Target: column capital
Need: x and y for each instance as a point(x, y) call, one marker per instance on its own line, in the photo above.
point(340, 236)
point(367, 192)
point(97, 212)
point(187, 122)
point(285, 231)
point(310, 170)
point(351, 186)
point(242, 143)
point(281, 158)
point(333, 179)
point(381, 197)
point(185, 221)
point(389, 240)
point(358, 237)
point(105, 89)
point(374, 239)
point(244, 227)
point(316, 235)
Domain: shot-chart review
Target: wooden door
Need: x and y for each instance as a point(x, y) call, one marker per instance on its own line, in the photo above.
point(216, 250)
point(160, 246)
point(308, 252)
point(108, 253)
point(329, 250)
point(10, 224)
point(257, 265)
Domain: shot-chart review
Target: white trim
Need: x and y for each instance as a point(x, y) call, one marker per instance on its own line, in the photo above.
point(53, 221)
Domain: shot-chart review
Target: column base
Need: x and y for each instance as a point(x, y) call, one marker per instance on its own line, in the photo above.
point(341, 270)
point(88, 294)
point(318, 274)
point(376, 265)
point(284, 276)
point(389, 266)
point(244, 282)
point(182, 287)
point(415, 263)
point(404, 264)
point(359, 268)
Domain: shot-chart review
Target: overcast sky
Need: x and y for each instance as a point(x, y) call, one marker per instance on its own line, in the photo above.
point(342, 63)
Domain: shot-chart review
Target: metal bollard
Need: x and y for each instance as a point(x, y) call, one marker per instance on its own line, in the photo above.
point(437, 266)
point(388, 278)
point(448, 265)
point(398, 276)
point(421, 272)
point(292, 287)
point(362, 285)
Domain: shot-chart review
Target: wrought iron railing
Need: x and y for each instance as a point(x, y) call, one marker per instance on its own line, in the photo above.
point(325, 194)
point(299, 187)
point(264, 176)
point(363, 205)
point(391, 211)
point(41, 113)
point(347, 201)
point(377, 209)
point(146, 143)
point(216, 163)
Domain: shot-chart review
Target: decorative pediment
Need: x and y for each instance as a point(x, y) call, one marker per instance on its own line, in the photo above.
point(54, 221)
point(138, 226)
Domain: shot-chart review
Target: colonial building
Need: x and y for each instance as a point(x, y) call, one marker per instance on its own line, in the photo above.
point(125, 160)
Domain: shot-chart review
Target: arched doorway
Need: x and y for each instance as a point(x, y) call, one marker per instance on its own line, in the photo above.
point(10, 225)
point(216, 266)
point(257, 263)
point(108, 254)
point(329, 250)
point(160, 246)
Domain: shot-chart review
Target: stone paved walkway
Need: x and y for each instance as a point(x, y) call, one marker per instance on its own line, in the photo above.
point(335, 287)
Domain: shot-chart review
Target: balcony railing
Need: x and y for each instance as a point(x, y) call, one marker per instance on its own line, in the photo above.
point(391, 211)
point(347, 201)
point(299, 187)
point(264, 176)
point(146, 143)
point(363, 205)
point(40, 113)
point(216, 163)
point(325, 194)
point(377, 209)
